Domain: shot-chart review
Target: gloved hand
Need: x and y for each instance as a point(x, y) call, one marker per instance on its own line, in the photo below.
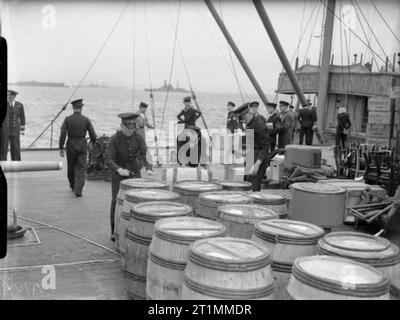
point(123, 172)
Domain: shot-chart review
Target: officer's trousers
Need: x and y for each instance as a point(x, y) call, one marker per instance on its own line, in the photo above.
point(309, 133)
point(15, 148)
point(77, 162)
point(115, 183)
point(256, 180)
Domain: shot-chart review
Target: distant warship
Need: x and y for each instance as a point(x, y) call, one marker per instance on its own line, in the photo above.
point(169, 88)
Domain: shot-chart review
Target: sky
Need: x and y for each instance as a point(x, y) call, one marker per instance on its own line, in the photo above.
point(58, 41)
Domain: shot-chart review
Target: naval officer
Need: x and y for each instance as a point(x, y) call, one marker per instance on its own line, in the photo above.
point(125, 154)
point(260, 146)
point(13, 126)
point(188, 115)
point(75, 126)
point(232, 122)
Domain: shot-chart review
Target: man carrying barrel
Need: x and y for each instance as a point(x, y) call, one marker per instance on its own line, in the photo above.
point(260, 146)
point(125, 153)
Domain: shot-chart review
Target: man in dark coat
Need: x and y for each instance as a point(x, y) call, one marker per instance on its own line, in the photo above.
point(307, 119)
point(232, 122)
point(13, 125)
point(342, 128)
point(254, 110)
point(125, 154)
point(287, 126)
point(273, 124)
point(188, 115)
point(260, 149)
point(76, 126)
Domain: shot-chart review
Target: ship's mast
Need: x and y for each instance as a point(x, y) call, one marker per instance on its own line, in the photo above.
point(324, 69)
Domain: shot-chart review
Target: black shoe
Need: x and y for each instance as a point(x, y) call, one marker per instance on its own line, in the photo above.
point(113, 238)
point(78, 195)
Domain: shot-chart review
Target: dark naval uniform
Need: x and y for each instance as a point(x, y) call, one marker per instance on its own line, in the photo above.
point(286, 128)
point(232, 123)
point(262, 140)
point(13, 124)
point(307, 118)
point(188, 117)
point(276, 122)
point(76, 126)
point(126, 153)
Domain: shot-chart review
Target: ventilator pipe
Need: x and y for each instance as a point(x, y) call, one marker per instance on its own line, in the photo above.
point(21, 166)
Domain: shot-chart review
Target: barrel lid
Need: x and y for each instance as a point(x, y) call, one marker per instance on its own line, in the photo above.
point(362, 247)
point(278, 230)
point(249, 211)
point(235, 184)
point(155, 210)
point(197, 186)
point(318, 187)
point(142, 183)
point(341, 275)
point(188, 229)
point(141, 195)
point(221, 197)
point(229, 253)
point(267, 198)
point(301, 147)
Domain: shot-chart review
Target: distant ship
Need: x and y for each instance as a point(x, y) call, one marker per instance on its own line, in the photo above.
point(169, 88)
point(39, 84)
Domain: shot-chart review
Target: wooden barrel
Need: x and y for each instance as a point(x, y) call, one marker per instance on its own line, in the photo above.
point(239, 219)
point(139, 233)
point(322, 204)
point(234, 185)
point(374, 251)
point(169, 253)
point(190, 190)
point(133, 197)
point(275, 202)
point(228, 268)
point(286, 240)
point(209, 202)
point(336, 278)
point(129, 184)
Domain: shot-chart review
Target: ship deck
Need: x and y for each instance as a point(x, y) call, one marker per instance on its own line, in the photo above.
point(68, 233)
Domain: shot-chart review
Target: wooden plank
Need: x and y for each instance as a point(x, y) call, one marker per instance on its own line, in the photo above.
point(378, 117)
point(379, 104)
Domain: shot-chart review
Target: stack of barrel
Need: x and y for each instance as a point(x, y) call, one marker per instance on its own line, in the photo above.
point(218, 240)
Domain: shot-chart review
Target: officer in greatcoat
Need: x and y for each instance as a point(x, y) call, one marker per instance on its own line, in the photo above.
point(75, 127)
point(273, 124)
point(125, 154)
point(13, 125)
point(286, 127)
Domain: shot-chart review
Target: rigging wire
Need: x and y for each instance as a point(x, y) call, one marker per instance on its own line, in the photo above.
point(365, 35)
point(134, 58)
point(233, 70)
point(231, 59)
point(151, 86)
point(384, 20)
point(86, 73)
point(188, 79)
point(356, 35)
point(172, 61)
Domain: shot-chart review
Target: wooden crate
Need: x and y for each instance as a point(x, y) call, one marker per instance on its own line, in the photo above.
point(378, 117)
point(381, 104)
point(378, 131)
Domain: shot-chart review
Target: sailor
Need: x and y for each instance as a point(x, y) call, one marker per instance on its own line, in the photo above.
point(307, 119)
point(76, 126)
point(232, 123)
point(273, 124)
point(188, 115)
point(295, 116)
point(13, 126)
point(124, 155)
point(142, 121)
point(286, 127)
point(254, 109)
point(260, 149)
point(342, 128)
